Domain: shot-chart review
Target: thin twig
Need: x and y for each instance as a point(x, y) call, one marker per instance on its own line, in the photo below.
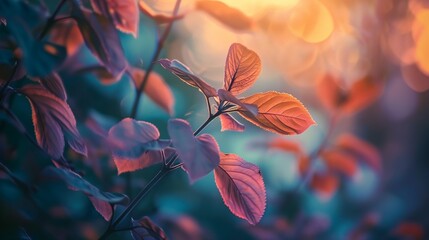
point(155, 56)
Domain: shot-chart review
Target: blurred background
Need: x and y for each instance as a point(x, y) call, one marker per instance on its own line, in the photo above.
point(361, 67)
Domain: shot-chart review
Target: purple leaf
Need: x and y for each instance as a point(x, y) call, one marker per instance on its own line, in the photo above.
point(229, 123)
point(184, 73)
point(55, 85)
point(227, 96)
point(147, 229)
point(53, 120)
point(124, 13)
point(102, 39)
point(101, 200)
point(242, 68)
point(200, 155)
point(241, 186)
point(135, 145)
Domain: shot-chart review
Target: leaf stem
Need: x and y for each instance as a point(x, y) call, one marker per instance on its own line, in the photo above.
point(51, 20)
point(140, 89)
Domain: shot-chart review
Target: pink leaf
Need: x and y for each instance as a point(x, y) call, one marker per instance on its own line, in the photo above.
point(157, 17)
point(125, 13)
point(156, 88)
point(184, 73)
point(52, 120)
point(242, 188)
point(135, 145)
point(229, 123)
point(200, 155)
point(147, 229)
point(242, 68)
point(227, 96)
point(102, 207)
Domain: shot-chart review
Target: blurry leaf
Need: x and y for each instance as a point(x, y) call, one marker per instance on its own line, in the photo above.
point(229, 123)
point(102, 39)
point(229, 16)
point(278, 112)
point(409, 230)
point(422, 49)
point(3, 21)
point(147, 230)
point(200, 155)
point(241, 186)
point(159, 18)
point(183, 227)
point(339, 161)
point(415, 78)
point(135, 145)
point(156, 88)
point(40, 58)
point(54, 84)
point(303, 165)
point(53, 120)
point(99, 199)
point(185, 74)
point(362, 93)
point(365, 151)
point(324, 184)
point(67, 34)
point(286, 145)
point(124, 13)
point(227, 96)
point(242, 68)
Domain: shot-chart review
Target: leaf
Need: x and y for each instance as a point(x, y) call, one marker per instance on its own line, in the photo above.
point(186, 75)
point(135, 145)
point(278, 112)
point(340, 161)
point(360, 148)
point(102, 39)
point(409, 230)
point(227, 96)
point(225, 14)
point(55, 85)
point(242, 68)
point(53, 120)
point(324, 184)
point(146, 229)
point(40, 58)
point(287, 146)
point(67, 34)
point(361, 94)
point(229, 123)
point(124, 13)
point(159, 18)
point(200, 155)
point(98, 198)
point(242, 188)
point(156, 89)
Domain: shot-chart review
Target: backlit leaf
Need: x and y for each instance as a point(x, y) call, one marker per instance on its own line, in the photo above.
point(101, 200)
point(135, 145)
point(241, 186)
point(55, 85)
point(341, 162)
point(124, 13)
point(145, 228)
point(227, 96)
point(200, 155)
point(184, 73)
point(67, 34)
point(361, 149)
point(157, 17)
point(242, 68)
point(156, 88)
point(229, 123)
point(53, 120)
point(225, 14)
point(278, 112)
point(102, 39)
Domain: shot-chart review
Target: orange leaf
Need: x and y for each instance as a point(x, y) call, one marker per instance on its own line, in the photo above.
point(67, 34)
point(303, 165)
point(156, 89)
point(159, 18)
point(278, 112)
point(286, 145)
point(365, 151)
point(229, 123)
point(225, 14)
point(340, 161)
point(324, 184)
point(242, 68)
